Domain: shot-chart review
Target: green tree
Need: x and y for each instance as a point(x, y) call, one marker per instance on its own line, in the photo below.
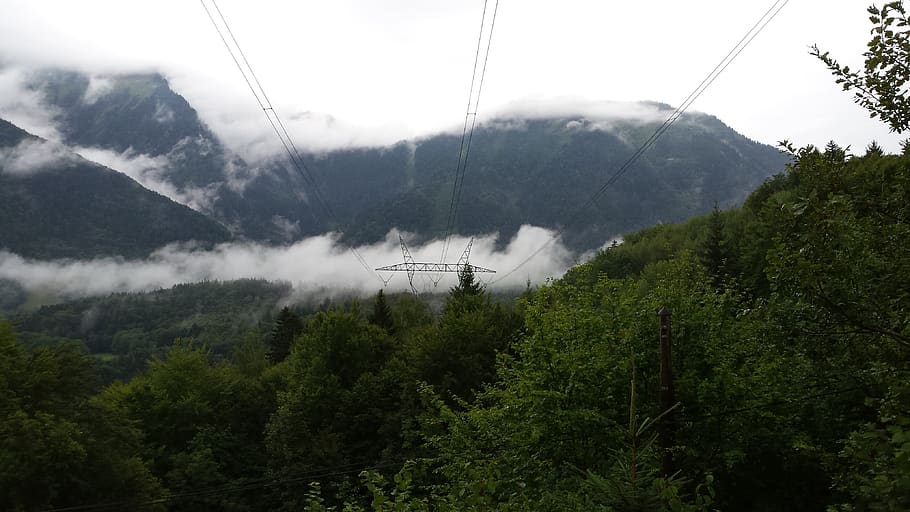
point(287, 327)
point(251, 355)
point(876, 457)
point(467, 284)
point(881, 87)
point(336, 406)
point(837, 271)
point(458, 355)
point(60, 446)
point(873, 149)
point(382, 314)
point(843, 253)
point(551, 430)
point(714, 254)
point(410, 313)
point(202, 425)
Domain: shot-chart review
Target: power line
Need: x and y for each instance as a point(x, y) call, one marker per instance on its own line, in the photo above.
point(734, 52)
point(261, 483)
point(467, 136)
point(464, 130)
point(474, 118)
point(297, 161)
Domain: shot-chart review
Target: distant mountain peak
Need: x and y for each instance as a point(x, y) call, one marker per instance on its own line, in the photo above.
point(576, 108)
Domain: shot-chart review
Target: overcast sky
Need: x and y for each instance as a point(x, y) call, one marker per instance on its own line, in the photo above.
point(386, 70)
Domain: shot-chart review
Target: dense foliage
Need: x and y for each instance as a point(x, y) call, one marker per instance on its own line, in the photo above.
point(124, 330)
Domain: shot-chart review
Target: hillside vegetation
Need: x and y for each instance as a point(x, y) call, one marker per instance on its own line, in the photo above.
point(790, 357)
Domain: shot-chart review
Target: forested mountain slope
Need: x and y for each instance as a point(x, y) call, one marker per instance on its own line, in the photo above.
point(127, 329)
point(140, 116)
point(539, 171)
point(55, 204)
point(522, 168)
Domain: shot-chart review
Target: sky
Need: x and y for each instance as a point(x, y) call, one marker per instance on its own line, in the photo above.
point(361, 72)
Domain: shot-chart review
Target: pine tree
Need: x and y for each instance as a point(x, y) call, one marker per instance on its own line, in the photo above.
point(873, 149)
point(468, 294)
point(287, 327)
point(467, 285)
point(382, 314)
point(714, 254)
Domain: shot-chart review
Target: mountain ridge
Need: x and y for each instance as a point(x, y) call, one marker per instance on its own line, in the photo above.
point(60, 205)
point(531, 167)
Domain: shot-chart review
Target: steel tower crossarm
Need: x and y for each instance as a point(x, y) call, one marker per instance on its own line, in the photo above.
point(412, 267)
point(433, 267)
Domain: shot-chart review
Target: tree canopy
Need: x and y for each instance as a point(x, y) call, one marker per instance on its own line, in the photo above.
point(881, 87)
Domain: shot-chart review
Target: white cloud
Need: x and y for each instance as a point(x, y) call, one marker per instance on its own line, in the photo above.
point(25, 108)
point(32, 156)
point(136, 166)
point(98, 86)
point(238, 175)
point(584, 114)
point(252, 137)
point(310, 264)
point(288, 229)
point(149, 171)
point(163, 113)
point(574, 106)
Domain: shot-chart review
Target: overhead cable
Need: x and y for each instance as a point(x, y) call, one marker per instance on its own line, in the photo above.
point(734, 52)
point(297, 161)
point(467, 134)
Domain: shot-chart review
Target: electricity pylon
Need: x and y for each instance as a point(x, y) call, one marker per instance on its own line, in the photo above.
point(412, 267)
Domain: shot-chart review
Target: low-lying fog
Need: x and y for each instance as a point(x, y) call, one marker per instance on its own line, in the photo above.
point(317, 263)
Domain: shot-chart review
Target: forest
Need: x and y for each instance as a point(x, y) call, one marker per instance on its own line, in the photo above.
point(790, 359)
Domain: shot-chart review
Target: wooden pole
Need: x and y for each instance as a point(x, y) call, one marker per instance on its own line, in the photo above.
point(667, 398)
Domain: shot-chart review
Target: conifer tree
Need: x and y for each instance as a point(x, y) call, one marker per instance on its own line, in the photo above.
point(467, 284)
point(287, 327)
point(382, 314)
point(714, 254)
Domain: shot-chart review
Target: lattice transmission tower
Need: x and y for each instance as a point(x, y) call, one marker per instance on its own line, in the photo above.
point(438, 269)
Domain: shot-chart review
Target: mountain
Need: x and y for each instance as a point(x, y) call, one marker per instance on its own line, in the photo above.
point(522, 168)
point(139, 115)
point(136, 113)
point(540, 171)
point(55, 204)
